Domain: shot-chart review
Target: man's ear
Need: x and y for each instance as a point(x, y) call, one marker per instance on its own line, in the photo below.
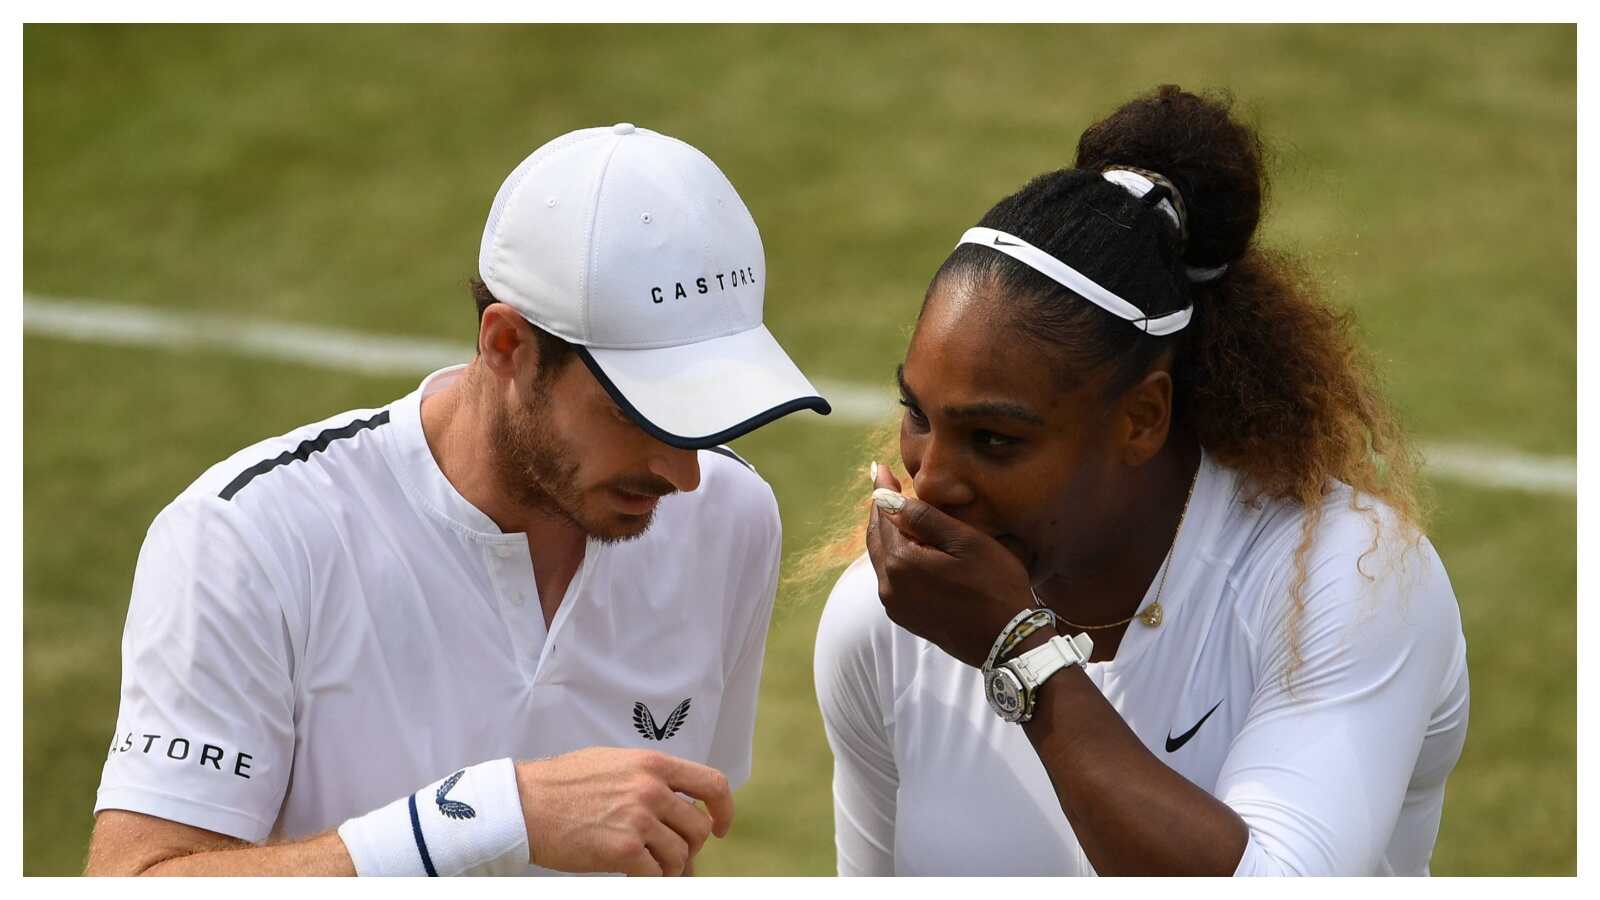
point(1143, 417)
point(505, 341)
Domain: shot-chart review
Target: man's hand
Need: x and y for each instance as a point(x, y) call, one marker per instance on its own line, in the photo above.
point(604, 809)
point(941, 579)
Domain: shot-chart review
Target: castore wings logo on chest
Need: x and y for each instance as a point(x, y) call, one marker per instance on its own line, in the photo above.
point(645, 723)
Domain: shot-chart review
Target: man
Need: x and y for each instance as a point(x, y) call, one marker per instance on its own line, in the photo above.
point(536, 586)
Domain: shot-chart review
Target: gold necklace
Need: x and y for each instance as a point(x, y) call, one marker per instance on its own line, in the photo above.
point(1150, 615)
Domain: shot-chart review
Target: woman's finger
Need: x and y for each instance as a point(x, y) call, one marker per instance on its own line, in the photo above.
point(883, 477)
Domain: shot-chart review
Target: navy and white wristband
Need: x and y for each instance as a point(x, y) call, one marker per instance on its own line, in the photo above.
point(469, 823)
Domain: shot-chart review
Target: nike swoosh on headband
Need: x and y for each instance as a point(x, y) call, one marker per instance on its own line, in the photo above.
point(1075, 281)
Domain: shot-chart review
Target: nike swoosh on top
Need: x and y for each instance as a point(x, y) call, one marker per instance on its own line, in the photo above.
point(1174, 743)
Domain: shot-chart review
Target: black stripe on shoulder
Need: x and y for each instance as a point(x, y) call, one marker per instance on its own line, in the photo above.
point(724, 451)
point(302, 452)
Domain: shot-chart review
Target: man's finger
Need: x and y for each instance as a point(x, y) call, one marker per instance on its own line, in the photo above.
point(706, 785)
point(690, 822)
point(641, 863)
point(670, 850)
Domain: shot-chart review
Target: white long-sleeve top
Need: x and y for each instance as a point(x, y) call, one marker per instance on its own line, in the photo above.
point(1341, 772)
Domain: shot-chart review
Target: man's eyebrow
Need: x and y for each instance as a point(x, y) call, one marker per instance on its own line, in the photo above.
point(980, 410)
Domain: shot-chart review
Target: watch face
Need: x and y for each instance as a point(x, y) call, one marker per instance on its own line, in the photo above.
point(1005, 693)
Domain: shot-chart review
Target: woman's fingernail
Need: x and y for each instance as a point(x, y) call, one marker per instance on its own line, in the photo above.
point(874, 473)
point(888, 501)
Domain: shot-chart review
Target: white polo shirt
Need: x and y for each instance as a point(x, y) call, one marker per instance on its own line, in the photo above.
point(1344, 775)
point(321, 624)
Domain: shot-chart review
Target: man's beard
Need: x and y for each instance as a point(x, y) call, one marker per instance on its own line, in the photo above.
point(540, 470)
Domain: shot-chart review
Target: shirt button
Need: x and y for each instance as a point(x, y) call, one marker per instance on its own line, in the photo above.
point(502, 550)
point(518, 599)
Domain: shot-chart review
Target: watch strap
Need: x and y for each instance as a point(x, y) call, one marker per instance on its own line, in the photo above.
point(1050, 657)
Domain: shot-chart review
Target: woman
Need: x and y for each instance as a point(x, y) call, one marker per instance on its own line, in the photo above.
point(1123, 415)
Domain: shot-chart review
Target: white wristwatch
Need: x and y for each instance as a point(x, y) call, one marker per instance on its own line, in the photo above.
point(1012, 685)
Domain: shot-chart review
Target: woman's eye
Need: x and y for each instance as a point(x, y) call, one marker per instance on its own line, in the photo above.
point(990, 440)
point(915, 414)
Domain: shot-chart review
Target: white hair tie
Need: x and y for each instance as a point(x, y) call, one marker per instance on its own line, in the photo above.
point(1139, 184)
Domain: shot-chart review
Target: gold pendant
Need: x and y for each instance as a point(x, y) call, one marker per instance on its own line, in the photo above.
point(1152, 614)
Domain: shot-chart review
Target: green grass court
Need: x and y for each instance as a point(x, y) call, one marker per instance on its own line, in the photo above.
point(339, 177)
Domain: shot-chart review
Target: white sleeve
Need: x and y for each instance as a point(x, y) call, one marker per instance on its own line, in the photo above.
point(852, 678)
point(1319, 771)
point(732, 744)
point(205, 730)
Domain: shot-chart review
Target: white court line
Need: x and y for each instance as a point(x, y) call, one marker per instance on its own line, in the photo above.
point(853, 404)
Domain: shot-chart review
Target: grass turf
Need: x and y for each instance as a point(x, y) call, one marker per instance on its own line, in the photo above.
point(338, 175)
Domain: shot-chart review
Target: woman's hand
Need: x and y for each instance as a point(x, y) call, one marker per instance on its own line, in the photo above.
point(940, 579)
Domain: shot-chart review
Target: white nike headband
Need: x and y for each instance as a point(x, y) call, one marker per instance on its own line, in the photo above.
point(1075, 281)
point(1020, 250)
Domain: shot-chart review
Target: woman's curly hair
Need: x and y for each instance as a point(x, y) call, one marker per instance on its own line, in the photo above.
point(1267, 375)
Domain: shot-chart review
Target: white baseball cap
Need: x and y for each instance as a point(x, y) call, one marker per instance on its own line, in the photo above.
point(633, 246)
